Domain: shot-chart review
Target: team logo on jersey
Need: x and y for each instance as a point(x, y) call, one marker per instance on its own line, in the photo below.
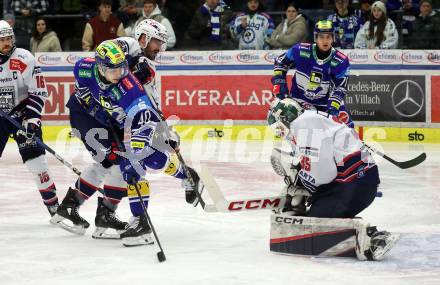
point(7, 98)
point(314, 81)
point(248, 36)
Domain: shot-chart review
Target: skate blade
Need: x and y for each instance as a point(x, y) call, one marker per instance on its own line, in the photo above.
point(138, 241)
point(75, 229)
point(100, 233)
point(391, 241)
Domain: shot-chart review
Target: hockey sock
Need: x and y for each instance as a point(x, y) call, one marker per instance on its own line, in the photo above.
point(90, 181)
point(43, 178)
point(133, 197)
point(115, 188)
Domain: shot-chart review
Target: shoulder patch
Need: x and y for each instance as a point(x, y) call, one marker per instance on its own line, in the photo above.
point(16, 64)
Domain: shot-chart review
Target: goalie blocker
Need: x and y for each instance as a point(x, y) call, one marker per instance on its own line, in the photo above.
point(326, 237)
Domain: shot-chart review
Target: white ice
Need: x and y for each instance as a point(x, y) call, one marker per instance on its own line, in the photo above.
point(214, 248)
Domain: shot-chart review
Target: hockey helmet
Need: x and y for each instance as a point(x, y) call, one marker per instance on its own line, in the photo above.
point(323, 26)
point(151, 29)
point(111, 59)
point(282, 113)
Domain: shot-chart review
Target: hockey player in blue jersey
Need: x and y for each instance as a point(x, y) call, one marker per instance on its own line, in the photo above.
point(321, 73)
point(107, 96)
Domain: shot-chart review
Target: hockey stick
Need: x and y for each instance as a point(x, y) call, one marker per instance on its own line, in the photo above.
point(160, 255)
point(401, 164)
point(40, 143)
point(180, 158)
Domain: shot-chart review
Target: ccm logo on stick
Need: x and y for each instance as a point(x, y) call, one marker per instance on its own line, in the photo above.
point(253, 204)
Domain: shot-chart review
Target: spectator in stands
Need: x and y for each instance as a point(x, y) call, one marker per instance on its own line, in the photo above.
point(364, 12)
point(103, 27)
point(291, 31)
point(426, 29)
point(409, 14)
point(209, 27)
point(151, 10)
point(379, 32)
point(253, 27)
point(26, 8)
point(345, 23)
point(128, 14)
point(43, 38)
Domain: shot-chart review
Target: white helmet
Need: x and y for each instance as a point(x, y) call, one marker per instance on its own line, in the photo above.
point(5, 29)
point(151, 29)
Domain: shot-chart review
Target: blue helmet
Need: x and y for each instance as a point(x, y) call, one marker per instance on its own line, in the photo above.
point(323, 26)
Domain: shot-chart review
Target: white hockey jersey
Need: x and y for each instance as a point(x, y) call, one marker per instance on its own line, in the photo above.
point(131, 48)
point(328, 150)
point(21, 81)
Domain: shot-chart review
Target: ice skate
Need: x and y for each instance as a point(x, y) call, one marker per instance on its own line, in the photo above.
point(381, 242)
point(68, 210)
point(139, 233)
point(106, 219)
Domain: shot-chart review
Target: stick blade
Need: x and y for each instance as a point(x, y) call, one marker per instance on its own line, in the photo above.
point(413, 162)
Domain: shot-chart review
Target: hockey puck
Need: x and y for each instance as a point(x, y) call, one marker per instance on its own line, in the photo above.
point(161, 256)
point(379, 194)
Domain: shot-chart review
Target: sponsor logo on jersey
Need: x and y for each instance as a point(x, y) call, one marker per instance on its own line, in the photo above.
point(304, 54)
point(247, 57)
point(126, 82)
point(434, 57)
point(49, 59)
point(116, 94)
point(386, 57)
point(4, 80)
point(219, 57)
point(7, 98)
point(83, 73)
point(73, 58)
point(16, 64)
point(334, 63)
point(191, 59)
point(358, 56)
point(412, 57)
point(341, 55)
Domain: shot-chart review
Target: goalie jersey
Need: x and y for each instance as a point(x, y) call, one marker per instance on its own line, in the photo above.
point(315, 81)
point(22, 85)
point(328, 150)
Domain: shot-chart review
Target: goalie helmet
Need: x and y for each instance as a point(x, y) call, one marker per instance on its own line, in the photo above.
point(151, 29)
point(111, 59)
point(282, 113)
point(323, 26)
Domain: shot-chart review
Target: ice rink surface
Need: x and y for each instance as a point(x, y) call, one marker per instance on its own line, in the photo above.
point(214, 248)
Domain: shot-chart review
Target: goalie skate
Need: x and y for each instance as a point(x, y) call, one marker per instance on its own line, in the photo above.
point(139, 233)
point(381, 243)
point(106, 220)
point(68, 211)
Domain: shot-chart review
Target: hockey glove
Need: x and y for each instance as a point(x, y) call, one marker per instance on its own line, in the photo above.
point(32, 127)
point(129, 172)
point(279, 87)
point(333, 108)
point(143, 71)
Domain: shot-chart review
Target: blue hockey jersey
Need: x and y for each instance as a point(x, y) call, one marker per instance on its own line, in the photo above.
point(125, 102)
point(321, 83)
